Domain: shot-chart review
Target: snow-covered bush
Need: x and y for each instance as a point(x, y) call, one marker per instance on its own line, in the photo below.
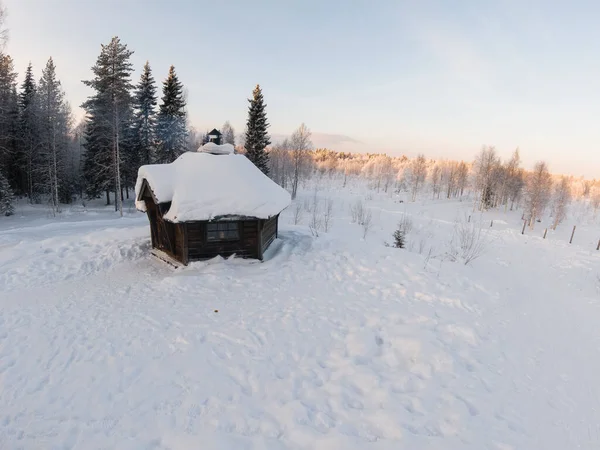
point(327, 213)
point(7, 197)
point(297, 212)
point(357, 211)
point(367, 223)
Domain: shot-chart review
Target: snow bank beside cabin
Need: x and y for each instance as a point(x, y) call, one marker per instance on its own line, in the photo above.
point(204, 186)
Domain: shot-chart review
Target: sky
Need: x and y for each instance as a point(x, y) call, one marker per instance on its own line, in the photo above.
point(403, 77)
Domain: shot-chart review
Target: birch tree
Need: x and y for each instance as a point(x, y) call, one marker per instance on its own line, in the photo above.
point(418, 174)
point(561, 201)
point(300, 145)
point(484, 168)
point(228, 134)
point(538, 192)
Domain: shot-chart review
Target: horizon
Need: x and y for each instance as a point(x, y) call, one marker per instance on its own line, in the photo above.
point(396, 79)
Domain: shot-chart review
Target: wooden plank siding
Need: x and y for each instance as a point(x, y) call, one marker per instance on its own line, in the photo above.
point(187, 241)
point(199, 248)
point(268, 232)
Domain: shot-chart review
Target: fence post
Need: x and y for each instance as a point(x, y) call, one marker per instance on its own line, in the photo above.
point(492, 223)
point(598, 248)
point(524, 225)
point(545, 231)
point(572, 234)
point(469, 219)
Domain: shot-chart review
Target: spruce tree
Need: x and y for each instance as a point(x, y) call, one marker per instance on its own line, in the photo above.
point(54, 137)
point(257, 138)
point(171, 129)
point(29, 133)
point(144, 122)
point(6, 197)
point(9, 158)
point(109, 121)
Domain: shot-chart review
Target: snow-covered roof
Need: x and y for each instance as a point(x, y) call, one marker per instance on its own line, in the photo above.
point(216, 149)
point(203, 186)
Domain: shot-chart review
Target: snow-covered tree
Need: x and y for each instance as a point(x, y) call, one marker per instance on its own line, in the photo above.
point(417, 175)
point(380, 170)
point(462, 178)
point(561, 201)
point(54, 127)
point(436, 180)
point(144, 119)
point(6, 197)
point(484, 168)
point(29, 124)
point(280, 163)
point(9, 155)
point(300, 145)
point(172, 121)
point(109, 121)
point(257, 138)
point(228, 134)
point(538, 192)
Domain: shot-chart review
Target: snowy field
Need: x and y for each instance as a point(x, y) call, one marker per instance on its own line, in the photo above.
point(334, 342)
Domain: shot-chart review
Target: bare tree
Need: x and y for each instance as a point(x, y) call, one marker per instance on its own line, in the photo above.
point(327, 213)
point(562, 198)
point(538, 192)
point(357, 211)
point(436, 180)
point(367, 223)
point(280, 163)
point(418, 174)
point(228, 134)
point(300, 144)
point(3, 30)
point(484, 168)
point(462, 178)
point(450, 177)
point(298, 212)
point(595, 200)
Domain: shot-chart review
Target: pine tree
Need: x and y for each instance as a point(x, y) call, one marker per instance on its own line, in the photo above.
point(6, 197)
point(171, 130)
point(9, 158)
point(228, 134)
point(257, 139)
point(54, 129)
point(144, 122)
point(109, 121)
point(29, 133)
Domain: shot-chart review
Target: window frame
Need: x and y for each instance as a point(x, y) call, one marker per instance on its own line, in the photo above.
point(225, 231)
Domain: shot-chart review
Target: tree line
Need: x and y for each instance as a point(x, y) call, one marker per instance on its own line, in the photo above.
point(44, 158)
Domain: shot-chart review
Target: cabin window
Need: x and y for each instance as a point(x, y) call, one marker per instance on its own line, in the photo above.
point(222, 231)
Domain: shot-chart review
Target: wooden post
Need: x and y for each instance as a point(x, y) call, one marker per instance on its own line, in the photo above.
point(492, 223)
point(598, 247)
point(545, 231)
point(572, 234)
point(524, 225)
point(469, 219)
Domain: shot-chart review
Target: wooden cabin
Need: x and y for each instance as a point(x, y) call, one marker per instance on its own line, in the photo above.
point(208, 203)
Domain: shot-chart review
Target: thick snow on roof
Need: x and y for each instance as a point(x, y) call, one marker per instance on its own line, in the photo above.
point(202, 186)
point(216, 149)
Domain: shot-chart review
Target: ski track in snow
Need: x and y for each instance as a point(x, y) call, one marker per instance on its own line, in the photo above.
point(323, 345)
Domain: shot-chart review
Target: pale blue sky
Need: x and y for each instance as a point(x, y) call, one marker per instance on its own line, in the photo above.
point(442, 77)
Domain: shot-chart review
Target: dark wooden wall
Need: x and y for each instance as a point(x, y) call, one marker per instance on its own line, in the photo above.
point(268, 233)
point(187, 241)
point(245, 247)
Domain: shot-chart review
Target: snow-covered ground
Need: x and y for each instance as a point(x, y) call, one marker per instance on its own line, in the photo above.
point(333, 342)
